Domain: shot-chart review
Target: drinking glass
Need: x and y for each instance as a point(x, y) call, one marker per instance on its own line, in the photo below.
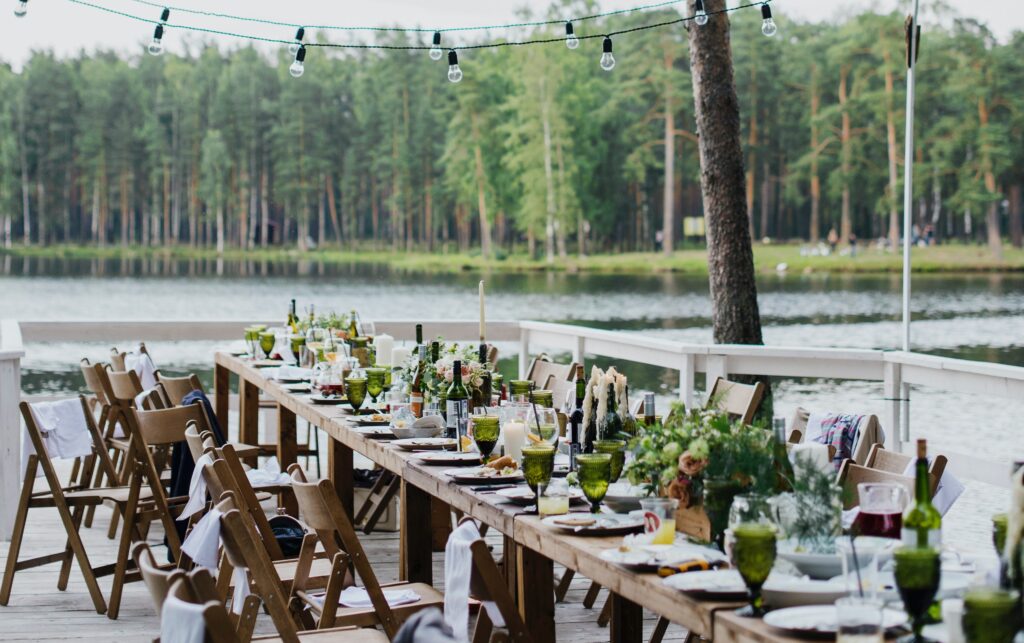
point(753, 555)
point(315, 338)
point(538, 464)
point(749, 508)
point(859, 620)
point(375, 382)
point(860, 564)
point(917, 578)
point(486, 429)
point(990, 615)
point(594, 471)
point(297, 342)
point(252, 339)
point(545, 423)
point(519, 387)
point(356, 389)
point(660, 519)
point(999, 522)
point(881, 509)
point(267, 342)
point(615, 448)
point(544, 399)
point(553, 498)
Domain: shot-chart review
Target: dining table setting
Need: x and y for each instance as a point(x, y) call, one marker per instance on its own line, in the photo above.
point(722, 526)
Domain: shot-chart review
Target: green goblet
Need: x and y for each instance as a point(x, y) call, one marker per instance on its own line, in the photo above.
point(594, 471)
point(753, 555)
point(999, 523)
point(990, 615)
point(267, 342)
point(617, 449)
point(545, 399)
point(486, 429)
point(252, 339)
point(375, 381)
point(355, 388)
point(519, 387)
point(538, 464)
point(918, 571)
point(297, 342)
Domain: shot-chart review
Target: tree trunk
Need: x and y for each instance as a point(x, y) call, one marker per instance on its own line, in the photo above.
point(220, 228)
point(766, 195)
point(735, 315)
point(752, 147)
point(332, 206)
point(995, 240)
point(890, 127)
point(1016, 216)
point(264, 206)
point(668, 215)
point(846, 139)
point(549, 180)
point(481, 185)
point(815, 231)
point(321, 221)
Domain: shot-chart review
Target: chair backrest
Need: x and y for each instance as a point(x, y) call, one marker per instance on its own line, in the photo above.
point(488, 584)
point(738, 400)
point(322, 511)
point(881, 458)
point(227, 475)
point(852, 474)
point(217, 621)
point(543, 368)
point(870, 433)
point(124, 385)
point(199, 442)
point(117, 359)
point(167, 426)
point(42, 457)
point(176, 388)
point(158, 581)
point(95, 381)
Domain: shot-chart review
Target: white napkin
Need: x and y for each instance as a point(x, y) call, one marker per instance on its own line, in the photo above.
point(203, 543)
point(181, 622)
point(240, 580)
point(359, 597)
point(815, 452)
point(143, 366)
point(948, 490)
point(286, 371)
point(429, 421)
point(458, 568)
point(813, 428)
point(268, 474)
point(196, 488)
point(63, 428)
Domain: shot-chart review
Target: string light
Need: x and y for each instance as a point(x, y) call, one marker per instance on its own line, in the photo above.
point(454, 73)
point(298, 68)
point(21, 9)
point(299, 35)
point(571, 41)
point(435, 51)
point(607, 59)
point(768, 26)
point(156, 46)
point(699, 15)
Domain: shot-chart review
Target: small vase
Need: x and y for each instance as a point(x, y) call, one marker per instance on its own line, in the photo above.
point(718, 496)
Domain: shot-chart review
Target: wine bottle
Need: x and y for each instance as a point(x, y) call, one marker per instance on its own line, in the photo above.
point(922, 523)
point(419, 335)
point(353, 326)
point(611, 424)
point(486, 386)
point(649, 409)
point(628, 421)
point(416, 389)
point(576, 419)
point(457, 403)
point(783, 467)
point(292, 319)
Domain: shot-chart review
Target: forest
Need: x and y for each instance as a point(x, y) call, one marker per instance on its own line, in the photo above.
point(537, 149)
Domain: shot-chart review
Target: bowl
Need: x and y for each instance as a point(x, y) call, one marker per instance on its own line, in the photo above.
point(414, 432)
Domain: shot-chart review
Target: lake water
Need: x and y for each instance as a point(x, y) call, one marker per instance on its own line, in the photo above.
point(979, 317)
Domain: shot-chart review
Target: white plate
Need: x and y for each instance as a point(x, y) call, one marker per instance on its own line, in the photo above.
point(525, 495)
point(449, 457)
point(376, 432)
point(820, 619)
point(715, 582)
point(786, 590)
point(472, 476)
point(375, 419)
point(319, 399)
point(651, 557)
point(604, 524)
point(298, 387)
point(951, 584)
point(425, 444)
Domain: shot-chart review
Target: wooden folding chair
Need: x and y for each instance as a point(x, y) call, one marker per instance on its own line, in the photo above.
point(885, 460)
point(70, 502)
point(378, 500)
point(321, 509)
point(174, 389)
point(740, 401)
point(117, 359)
point(111, 411)
point(870, 433)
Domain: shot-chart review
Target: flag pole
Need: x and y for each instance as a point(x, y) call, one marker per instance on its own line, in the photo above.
point(908, 204)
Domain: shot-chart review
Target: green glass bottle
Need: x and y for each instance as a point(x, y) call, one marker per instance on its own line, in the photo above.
point(576, 419)
point(922, 522)
point(610, 426)
point(457, 404)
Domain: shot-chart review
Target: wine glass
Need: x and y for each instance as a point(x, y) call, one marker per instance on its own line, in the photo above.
point(538, 464)
point(355, 386)
point(545, 422)
point(375, 381)
point(267, 342)
point(753, 555)
point(917, 572)
point(615, 448)
point(594, 471)
point(486, 429)
point(252, 339)
point(297, 342)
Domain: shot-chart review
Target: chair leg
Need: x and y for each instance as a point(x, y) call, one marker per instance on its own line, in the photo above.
point(691, 638)
point(484, 627)
point(71, 524)
point(382, 503)
point(65, 565)
point(19, 531)
point(591, 597)
point(121, 567)
point(606, 612)
point(659, 630)
point(562, 586)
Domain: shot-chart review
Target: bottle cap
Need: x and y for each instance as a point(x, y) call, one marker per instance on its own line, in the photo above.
point(922, 448)
point(579, 371)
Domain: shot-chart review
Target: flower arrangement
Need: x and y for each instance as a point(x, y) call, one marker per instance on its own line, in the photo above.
point(438, 375)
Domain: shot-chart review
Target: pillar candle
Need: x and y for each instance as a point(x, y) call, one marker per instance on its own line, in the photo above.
point(514, 435)
point(384, 345)
point(400, 355)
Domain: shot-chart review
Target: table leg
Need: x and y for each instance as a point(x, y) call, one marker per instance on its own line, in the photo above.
point(286, 454)
point(627, 620)
point(535, 595)
point(222, 394)
point(339, 470)
point(416, 562)
point(509, 564)
point(249, 416)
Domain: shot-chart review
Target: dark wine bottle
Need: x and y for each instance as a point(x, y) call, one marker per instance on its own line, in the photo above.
point(457, 403)
point(649, 409)
point(576, 419)
point(416, 388)
point(922, 522)
point(610, 426)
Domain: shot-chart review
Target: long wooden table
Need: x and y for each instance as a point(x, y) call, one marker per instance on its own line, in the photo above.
point(530, 545)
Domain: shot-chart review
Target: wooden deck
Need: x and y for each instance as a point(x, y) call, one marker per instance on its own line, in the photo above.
point(39, 612)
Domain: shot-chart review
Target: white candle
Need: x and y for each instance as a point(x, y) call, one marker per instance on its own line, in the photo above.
point(384, 345)
point(400, 355)
point(514, 435)
point(482, 311)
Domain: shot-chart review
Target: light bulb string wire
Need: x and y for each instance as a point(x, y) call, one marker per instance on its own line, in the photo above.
point(426, 47)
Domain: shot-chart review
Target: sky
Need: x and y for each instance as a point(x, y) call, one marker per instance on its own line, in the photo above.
point(66, 26)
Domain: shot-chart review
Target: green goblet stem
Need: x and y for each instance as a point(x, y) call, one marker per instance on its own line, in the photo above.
point(617, 449)
point(594, 470)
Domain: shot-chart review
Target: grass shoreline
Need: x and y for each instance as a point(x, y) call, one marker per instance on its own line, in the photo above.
point(767, 259)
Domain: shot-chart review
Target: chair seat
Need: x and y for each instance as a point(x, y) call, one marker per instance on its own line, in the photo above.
point(98, 496)
point(344, 634)
point(121, 444)
point(367, 616)
point(319, 571)
point(243, 450)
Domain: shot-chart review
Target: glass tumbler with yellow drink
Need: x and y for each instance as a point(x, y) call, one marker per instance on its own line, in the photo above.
point(553, 498)
point(660, 519)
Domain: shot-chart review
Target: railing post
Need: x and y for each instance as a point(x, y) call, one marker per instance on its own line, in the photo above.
point(524, 351)
point(892, 389)
point(11, 352)
point(686, 377)
point(716, 368)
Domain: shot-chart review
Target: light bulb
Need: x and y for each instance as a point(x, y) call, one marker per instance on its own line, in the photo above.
point(435, 51)
point(156, 46)
point(700, 16)
point(299, 35)
point(607, 59)
point(21, 9)
point(768, 26)
point(571, 41)
point(297, 68)
point(454, 73)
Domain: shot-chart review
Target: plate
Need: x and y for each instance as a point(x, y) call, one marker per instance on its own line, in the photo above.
point(376, 432)
point(819, 619)
point(717, 583)
point(373, 420)
point(425, 444)
point(525, 496)
point(599, 525)
point(472, 476)
point(450, 458)
point(648, 558)
point(267, 363)
point(951, 585)
point(298, 387)
point(787, 590)
point(319, 399)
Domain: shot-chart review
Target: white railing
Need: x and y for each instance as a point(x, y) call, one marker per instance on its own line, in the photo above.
point(895, 370)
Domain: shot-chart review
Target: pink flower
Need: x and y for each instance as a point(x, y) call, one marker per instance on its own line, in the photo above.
point(689, 465)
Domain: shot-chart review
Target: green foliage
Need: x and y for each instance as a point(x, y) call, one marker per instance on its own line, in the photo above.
point(812, 512)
